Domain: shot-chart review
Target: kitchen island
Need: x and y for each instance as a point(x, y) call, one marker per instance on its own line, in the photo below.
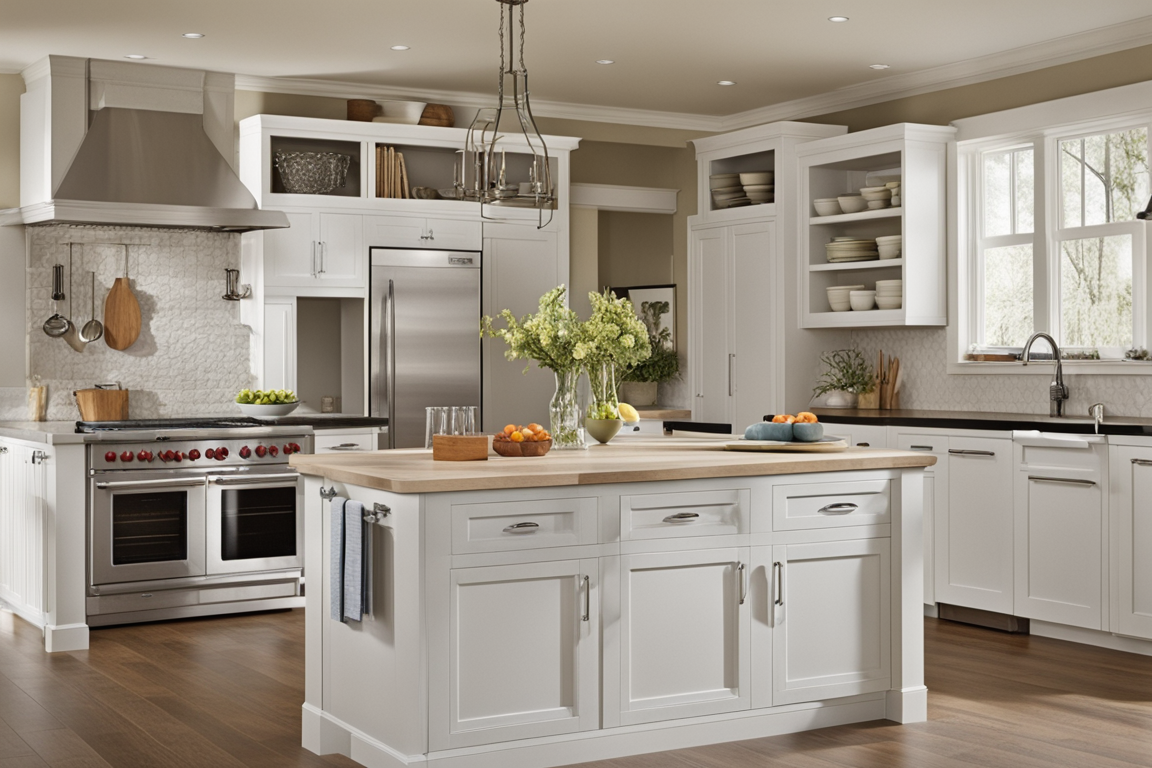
point(625, 599)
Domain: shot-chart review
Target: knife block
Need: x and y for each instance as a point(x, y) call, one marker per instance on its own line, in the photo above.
point(102, 404)
point(459, 447)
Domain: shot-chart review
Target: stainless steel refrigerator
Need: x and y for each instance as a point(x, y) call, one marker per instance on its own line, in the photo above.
point(425, 344)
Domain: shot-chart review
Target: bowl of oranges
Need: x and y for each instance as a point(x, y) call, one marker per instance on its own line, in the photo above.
point(531, 440)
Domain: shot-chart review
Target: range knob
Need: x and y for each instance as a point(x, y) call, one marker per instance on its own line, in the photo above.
point(167, 456)
point(127, 456)
point(245, 452)
point(295, 447)
point(287, 449)
point(194, 454)
point(221, 454)
point(273, 450)
point(209, 453)
point(111, 456)
point(143, 456)
point(261, 451)
point(177, 456)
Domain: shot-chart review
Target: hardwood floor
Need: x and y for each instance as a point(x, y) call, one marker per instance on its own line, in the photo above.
point(226, 692)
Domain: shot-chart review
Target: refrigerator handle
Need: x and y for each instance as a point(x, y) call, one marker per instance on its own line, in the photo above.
point(390, 360)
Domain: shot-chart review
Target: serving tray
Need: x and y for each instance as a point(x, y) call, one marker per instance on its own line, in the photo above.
point(826, 444)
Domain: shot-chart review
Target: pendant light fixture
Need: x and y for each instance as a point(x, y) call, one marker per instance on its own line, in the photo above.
point(486, 175)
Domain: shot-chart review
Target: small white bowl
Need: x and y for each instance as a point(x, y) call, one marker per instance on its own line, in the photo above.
point(898, 283)
point(827, 207)
point(884, 302)
point(267, 411)
point(862, 301)
point(757, 177)
point(839, 305)
point(893, 185)
point(407, 111)
point(888, 251)
point(852, 203)
point(876, 193)
point(875, 205)
point(890, 239)
point(759, 187)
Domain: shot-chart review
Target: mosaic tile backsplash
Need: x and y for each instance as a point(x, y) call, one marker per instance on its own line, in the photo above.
point(923, 354)
point(192, 355)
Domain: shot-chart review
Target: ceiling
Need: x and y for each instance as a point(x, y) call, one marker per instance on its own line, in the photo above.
point(669, 54)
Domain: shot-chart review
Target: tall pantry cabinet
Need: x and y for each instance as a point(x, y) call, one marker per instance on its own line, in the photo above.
point(743, 308)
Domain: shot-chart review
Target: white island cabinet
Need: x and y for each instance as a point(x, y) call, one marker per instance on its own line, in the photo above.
point(626, 599)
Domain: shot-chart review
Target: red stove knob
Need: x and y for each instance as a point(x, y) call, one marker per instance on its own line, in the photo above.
point(194, 454)
point(142, 456)
point(148, 456)
point(167, 456)
point(209, 453)
point(295, 447)
point(245, 452)
point(111, 455)
point(273, 450)
point(221, 454)
point(127, 456)
point(287, 449)
point(261, 451)
point(177, 456)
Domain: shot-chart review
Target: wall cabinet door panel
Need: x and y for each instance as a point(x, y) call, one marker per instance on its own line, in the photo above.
point(754, 340)
point(290, 257)
point(711, 332)
point(342, 257)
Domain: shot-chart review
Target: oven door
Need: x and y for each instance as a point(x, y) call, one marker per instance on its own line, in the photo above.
point(144, 527)
point(255, 521)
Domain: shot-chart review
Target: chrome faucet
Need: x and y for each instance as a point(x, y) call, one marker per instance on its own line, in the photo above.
point(1057, 391)
point(1096, 411)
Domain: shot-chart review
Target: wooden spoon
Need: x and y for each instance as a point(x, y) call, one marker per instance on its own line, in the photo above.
point(121, 312)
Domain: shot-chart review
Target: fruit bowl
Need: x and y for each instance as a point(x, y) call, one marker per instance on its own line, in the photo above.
point(267, 411)
point(526, 448)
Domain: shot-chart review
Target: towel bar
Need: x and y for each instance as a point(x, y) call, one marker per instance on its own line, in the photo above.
point(377, 515)
point(328, 493)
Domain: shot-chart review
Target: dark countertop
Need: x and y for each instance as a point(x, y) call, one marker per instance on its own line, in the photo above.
point(907, 417)
point(331, 421)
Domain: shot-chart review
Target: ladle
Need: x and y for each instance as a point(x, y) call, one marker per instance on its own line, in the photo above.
point(57, 325)
point(92, 329)
point(72, 335)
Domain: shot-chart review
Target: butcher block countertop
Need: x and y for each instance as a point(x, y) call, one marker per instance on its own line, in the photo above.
point(414, 471)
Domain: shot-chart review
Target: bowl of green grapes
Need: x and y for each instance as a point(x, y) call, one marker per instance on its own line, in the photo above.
point(266, 404)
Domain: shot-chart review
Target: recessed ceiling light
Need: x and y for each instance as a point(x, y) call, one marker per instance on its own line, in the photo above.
point(135, 56)
point(400, 47)
point(879, 66)
point(726, 82)
point(605, 61)
point(838, 19)
point(193, 35)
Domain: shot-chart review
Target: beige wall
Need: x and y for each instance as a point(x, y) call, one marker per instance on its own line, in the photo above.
point(11, 86)
point(583, 258)
point(634, 249)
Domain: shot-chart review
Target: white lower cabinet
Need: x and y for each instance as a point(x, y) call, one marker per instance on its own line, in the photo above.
point(1130, 513)
point(830, 604)
point(524, 651)
point(684, 634)
point(935, 497)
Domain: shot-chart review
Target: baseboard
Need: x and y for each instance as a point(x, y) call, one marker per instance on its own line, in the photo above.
point(1004, 622)
point(66, 637)
point(931, 610)
point(908, 706)
point(613, 743)
point(1092, 637)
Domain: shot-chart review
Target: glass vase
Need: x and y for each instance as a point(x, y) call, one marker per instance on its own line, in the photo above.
point(602, 380)
point(564, 412)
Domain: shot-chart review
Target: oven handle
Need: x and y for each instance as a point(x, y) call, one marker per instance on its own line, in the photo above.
point(254, 479)
point(173, 483)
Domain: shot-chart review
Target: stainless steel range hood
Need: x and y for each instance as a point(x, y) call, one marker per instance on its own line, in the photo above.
point(127, 145)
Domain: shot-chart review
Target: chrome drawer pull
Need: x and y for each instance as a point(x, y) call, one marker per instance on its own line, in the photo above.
point(1142, 462)
point(681, 517)
point(778, 567)
point(528, 527)
point(587, 600)
point(964, 452)
point(1069, 480)
point(842, 508)
point(920, 447)
point(191, 482)
point(743, 574)
point(254, 479)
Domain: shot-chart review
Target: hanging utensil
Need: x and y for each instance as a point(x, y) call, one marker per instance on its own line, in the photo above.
point(121, 312)
point(57, 325)
point(92, 329)
point(72, 335)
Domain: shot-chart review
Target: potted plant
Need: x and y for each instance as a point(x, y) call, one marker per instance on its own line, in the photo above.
point(639, 384)
point(613, 339)
point(846, 376)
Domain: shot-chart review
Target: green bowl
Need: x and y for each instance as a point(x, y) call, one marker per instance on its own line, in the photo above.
point(766, 430)
point(603, 430)
point(808, 433)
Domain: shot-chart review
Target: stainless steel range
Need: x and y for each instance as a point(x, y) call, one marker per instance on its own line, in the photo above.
point(191, 518)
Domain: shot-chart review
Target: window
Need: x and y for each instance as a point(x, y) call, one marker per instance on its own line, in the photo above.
point(1054, 244)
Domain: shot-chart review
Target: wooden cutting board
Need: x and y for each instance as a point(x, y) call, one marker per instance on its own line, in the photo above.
point(121, 315)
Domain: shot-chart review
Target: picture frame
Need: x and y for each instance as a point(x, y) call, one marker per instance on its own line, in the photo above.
point(639, 294)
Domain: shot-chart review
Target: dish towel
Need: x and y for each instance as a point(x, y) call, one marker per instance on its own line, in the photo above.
point(355, 562)
point(336, 559)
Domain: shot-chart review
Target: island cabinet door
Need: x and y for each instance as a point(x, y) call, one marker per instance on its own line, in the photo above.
point(1130, 470)
point(524, 652)
point(831, 616)
point(683, 635)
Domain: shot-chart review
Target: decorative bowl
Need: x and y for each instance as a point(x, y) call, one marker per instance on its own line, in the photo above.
point(758, 177)
point(603, 429)
point(527, 448)
point(768, 430)
point(312, 173)
point(827, 207)
point(885, 302)
point(862, 300)
point(807, 432)
point(852, 203)
point(267, 411)
point(875, 205)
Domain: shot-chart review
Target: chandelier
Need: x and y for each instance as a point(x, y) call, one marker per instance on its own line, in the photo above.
point(486, 173)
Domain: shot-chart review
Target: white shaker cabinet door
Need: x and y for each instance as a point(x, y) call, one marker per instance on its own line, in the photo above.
point(831, 608)
point(974, 531)
point(710, 323)
point(291, 257)
point(524, 652)
point(395, 232)
point(279, 343)
point(935, 497)
point(754, 351)
point(683, 634)
point(342, 256)
point(1130, 471)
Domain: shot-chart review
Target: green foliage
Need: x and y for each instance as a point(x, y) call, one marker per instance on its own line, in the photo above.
point(549, 337)
point(664, 363)
point(612, 339)
point(847, 370)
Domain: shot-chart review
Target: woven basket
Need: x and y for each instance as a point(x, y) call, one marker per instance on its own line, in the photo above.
point(312, 173)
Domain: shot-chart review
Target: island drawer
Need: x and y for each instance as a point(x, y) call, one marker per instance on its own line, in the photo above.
point(689, 513)
point(831, 505)
point(509, 525)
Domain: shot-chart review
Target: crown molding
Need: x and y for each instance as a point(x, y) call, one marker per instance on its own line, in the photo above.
point(10, 70)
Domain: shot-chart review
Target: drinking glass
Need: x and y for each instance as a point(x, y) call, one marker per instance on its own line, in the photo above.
point(464, 420)
point(436, 422)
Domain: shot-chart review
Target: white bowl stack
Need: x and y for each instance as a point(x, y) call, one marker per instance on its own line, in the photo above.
point(731, 190)
point(889, 294)
point(758, 186)
point(844, 249)
point(839, 296)
point(890, 246)
point(877, 197)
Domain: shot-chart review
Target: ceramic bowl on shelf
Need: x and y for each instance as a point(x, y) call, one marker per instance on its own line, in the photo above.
point(827, 207)
point(889, 302)
point(876, 193)
point(839, 298)
point(862, 301)
point(889, 246)
point(725, 190)
point(875, 205)
point(718, 180)
point(759, 187)
point(852, 203)
point(757, 177)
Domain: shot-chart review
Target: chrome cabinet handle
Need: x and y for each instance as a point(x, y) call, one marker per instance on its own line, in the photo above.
point(920, 447)
point(1142, 462)
point(863, 445)
point(346, 447)
point(174, 483)
point(1069, 480)
point(742, 572)
point(4, 449)
point(323, 256)
point(378, 513)
point(587, 599)
point(681, 517)
point(313, 258)
point(431, 235)
point(528, 527)
point(731, 365)
point(778, 568)
point(965, 452)
point(390, 359)
point(254, 479)
point(840, 508)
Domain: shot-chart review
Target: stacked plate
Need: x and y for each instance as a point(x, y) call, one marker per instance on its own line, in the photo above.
point(889, 294)
point(889, 246)
point(845, 249)
point(759, 187)
point(727, 191)
point(839, 297)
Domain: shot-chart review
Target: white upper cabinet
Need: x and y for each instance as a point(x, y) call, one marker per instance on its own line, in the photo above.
point(420, 232)
point(319, 250)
